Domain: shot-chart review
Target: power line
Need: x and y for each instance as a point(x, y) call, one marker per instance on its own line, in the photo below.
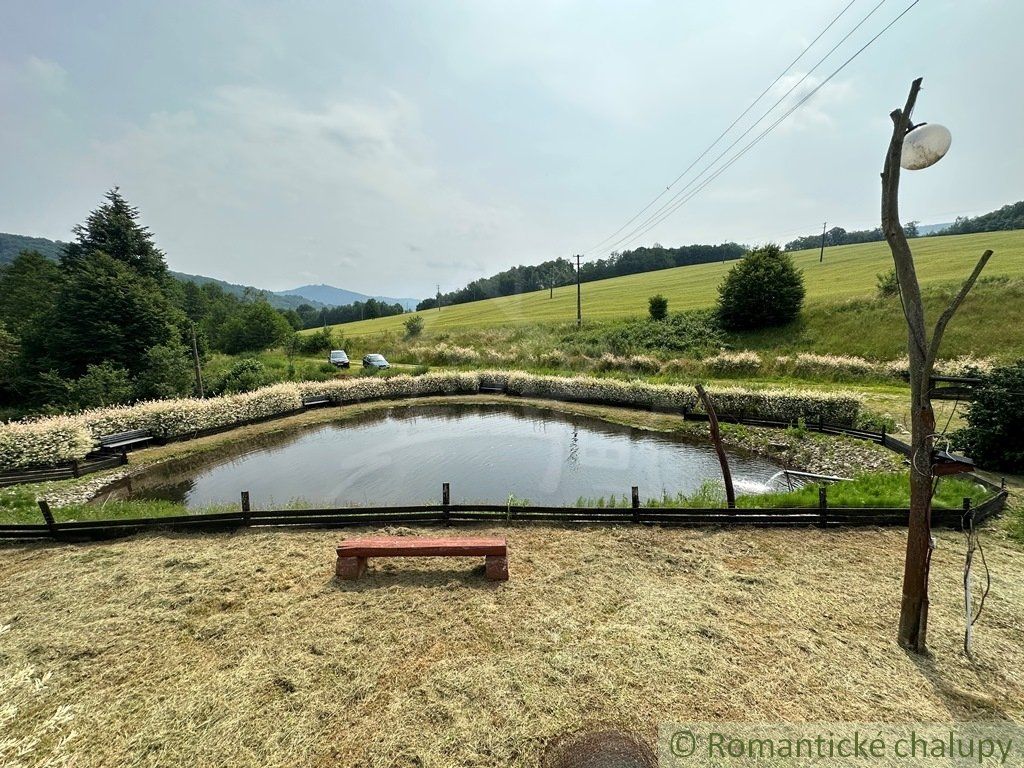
point(751, 127)
point(676, 203)
point(731, 126)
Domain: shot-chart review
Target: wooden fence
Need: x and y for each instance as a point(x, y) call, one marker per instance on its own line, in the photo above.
point(63, 472)
point(445, 513)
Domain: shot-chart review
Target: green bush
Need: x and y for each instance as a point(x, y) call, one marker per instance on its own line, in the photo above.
point(101, 385)
point(314, 343)
point(763, 290)
point(693, 332)
point(413, 326)
point(888, 285)
point(657, 307)
point(244, 376)
point(994, 435)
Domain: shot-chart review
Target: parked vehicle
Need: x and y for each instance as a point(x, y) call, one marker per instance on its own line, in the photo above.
point(375, 361)
point(338, 358)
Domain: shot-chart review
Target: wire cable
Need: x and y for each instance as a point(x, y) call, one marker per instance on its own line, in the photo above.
point(673, 205)
point(726, 131)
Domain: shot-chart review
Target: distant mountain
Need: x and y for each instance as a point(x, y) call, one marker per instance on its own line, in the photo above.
point(315, 295)
point(12, 245)
point(275, 300)
point(339, 297)
point(931, 229)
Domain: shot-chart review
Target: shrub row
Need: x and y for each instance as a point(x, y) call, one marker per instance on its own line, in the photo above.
point(56, 440)
point(725, 363)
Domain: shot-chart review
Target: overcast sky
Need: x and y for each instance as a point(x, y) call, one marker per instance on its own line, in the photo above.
point(388, 146)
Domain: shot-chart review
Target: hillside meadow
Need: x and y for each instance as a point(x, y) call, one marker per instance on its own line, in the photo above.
point(841, 315)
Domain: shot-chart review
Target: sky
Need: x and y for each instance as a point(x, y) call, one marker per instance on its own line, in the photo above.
point(388, 147)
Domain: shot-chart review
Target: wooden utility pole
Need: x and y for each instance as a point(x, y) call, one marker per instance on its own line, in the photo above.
point(821, 255)
point(195, 363)
point(438, 297)
point(716, 438)
point(913, 627)
point(579, 295)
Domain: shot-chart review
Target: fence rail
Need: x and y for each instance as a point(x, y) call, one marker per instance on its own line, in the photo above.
point(445, 513)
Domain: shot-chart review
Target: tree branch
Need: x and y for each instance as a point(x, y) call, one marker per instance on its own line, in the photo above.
point(906, 275)
point(940, 326)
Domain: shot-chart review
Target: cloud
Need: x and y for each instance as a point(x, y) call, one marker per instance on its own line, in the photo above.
point(816, 112)
point(259, 172)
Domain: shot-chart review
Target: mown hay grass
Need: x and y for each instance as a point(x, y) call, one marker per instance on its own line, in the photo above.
point(243, 650)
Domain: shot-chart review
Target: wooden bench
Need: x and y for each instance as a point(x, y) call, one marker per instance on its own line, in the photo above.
point(353, 553)
point(121, 441)
point(312, 401)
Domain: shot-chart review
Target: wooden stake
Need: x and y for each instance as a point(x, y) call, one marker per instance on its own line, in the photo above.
point(716, 438)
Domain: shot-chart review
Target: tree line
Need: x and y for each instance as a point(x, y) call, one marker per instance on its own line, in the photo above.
point(107, 322)
point(1008, 217)
point(311, 317)
point(562, 271)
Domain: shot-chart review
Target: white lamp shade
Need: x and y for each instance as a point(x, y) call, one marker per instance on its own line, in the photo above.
point(924, 146)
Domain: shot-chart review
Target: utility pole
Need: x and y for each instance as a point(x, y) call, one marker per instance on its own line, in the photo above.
point(195, 363)
point(821, 256)
point(438, 297)
point(579, 298)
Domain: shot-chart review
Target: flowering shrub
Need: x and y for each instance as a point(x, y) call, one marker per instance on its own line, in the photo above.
point(788, 404)
point(43, 442)
point(809, 364)
point(730, 363)
point(58, 439)
point(444, 354)
point(637, 363)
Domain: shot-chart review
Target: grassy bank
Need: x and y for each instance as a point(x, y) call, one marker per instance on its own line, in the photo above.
point(848, 274)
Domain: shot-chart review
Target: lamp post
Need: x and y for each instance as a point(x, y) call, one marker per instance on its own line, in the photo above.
point(914, 148)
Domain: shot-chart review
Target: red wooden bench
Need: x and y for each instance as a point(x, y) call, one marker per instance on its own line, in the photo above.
point(353, 553)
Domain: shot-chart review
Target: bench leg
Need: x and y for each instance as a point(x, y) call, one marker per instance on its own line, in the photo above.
point(351, 568)
point(496, 567)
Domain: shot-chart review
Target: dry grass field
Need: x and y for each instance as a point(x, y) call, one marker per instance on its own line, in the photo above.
point(242, 649)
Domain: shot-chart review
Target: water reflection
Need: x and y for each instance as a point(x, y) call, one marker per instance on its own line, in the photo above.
point(403, 454)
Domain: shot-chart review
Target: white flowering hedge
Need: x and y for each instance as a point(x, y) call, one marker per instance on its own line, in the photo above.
point(59, 439)
point(43, 442)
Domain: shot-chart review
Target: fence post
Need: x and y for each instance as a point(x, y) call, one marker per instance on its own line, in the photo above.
point(821, 423)
point(75, 471)
point(51, 524)
point(967, 519)
point(446, 500)
point(822, 506)
point(246, 508)
point(124, 458)
point(636, 504)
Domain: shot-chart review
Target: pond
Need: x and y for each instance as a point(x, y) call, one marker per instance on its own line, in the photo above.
point(401, 455)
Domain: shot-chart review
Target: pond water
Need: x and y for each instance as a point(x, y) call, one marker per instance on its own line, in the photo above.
point(402, 455)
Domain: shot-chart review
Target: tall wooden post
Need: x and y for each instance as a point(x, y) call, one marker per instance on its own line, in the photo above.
point(922, 351)
point(195, 363)
point(716, 438)
point(821, 254)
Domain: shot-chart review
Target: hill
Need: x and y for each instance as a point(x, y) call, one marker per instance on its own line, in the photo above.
point(12, 245)
point(839, 293)
point(275, 300)
point(316, 296)
point(328, 295)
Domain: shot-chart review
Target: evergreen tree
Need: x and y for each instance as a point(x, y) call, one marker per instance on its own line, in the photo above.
point(28, 289)
point(114, 229)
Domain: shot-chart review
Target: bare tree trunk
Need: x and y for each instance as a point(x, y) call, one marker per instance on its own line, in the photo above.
point(913, 628)
point(716, 438)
